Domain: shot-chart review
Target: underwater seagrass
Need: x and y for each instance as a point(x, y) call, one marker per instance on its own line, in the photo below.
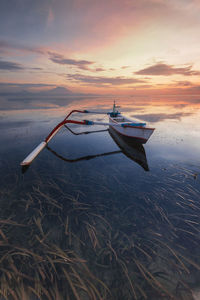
point(60, 246)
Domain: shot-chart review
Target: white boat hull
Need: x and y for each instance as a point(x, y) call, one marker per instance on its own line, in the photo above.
point(139, 133)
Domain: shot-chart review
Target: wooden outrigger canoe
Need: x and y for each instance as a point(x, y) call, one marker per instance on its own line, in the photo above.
point(121, 124)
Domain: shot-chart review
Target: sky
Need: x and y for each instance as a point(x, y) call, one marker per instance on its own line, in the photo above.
point(107, 47)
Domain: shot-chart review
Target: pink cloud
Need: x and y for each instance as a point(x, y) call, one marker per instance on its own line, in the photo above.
point(162, 69)
point(60, 59)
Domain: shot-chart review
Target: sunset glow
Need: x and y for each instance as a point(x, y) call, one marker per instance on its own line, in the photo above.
point(100, 47)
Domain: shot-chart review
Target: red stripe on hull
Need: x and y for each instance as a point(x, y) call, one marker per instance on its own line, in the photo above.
point(140, 127)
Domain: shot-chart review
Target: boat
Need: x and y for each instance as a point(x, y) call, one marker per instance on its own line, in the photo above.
point(136, 130)
point(122, 125)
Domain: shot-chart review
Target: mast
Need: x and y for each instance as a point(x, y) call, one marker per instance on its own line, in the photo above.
point(115, 112)
point(114, 108)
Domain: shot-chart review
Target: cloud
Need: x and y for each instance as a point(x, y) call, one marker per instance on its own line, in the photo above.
point(141, 86)
point(195, 88)
point(10, 66)
point(37, 69)
point(180, 106)
point(162, 69)
point(7, 45)
point(194, 101)
point(96, 80)
point(183, 83)
point(23, 85)
point(160, 117)
point(99, 69)
point(59, 59)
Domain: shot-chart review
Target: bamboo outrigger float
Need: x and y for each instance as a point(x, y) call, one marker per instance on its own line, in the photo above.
point(121, 124)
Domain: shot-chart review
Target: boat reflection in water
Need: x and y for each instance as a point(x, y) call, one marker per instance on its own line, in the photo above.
point(128, 146)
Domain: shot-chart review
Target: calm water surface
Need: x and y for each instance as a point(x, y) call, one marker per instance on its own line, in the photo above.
point(96, 217)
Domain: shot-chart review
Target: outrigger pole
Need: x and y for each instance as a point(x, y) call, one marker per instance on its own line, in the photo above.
point(28, 160)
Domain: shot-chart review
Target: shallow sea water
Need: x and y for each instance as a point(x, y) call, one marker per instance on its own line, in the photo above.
point(96, 217)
